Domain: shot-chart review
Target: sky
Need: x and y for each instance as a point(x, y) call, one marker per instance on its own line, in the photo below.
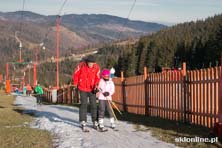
point(167, 12)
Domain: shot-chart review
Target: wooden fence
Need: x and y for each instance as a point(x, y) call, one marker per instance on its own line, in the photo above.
point(129, 94)
point(66, 95)
point(191, 98)
point(187, 96)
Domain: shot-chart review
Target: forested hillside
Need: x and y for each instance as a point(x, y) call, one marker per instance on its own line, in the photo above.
point(77, 33)
point(199, 44)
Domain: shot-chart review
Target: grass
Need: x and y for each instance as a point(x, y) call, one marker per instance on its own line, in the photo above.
point(167, 130)
point(14, 128)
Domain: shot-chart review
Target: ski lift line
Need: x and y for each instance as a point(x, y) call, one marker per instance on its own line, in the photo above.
point(125, 22)
point(22, 15)
point(59, 13)
point(23, 5)
point(21, 24)
point(61, 8)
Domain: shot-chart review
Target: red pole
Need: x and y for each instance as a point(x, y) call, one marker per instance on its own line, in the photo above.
point(20, 52)
point(6, 71)
point(29, 75)
point(20, 55)
point(36, 62)
point(7, 82)
point(36, 57)
point(58, 20)
point(35, 68)
point(23, 81)
point(34, 74)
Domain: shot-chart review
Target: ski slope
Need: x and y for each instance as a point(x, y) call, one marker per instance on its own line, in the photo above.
point(62, 122)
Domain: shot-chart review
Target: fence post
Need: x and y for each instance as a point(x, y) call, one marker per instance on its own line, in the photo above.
point(75, 95)
point(146, 94)
point(218, 126)
point(58, 97)
point(220, 106)
point(123, 91)
point(145, 72)
point(122, 76)
point(68, 95)
point(184, 74)
point(71, 95)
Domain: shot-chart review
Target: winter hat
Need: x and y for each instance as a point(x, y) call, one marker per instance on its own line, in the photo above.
point(91, 59)
point(105, 72)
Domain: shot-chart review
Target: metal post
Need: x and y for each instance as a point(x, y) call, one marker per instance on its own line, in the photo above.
point(58, 20)
point(6, 71)
point(34, 74)
point(20, 55)
point(29, 74)
point(35, 67)
point(20, 52)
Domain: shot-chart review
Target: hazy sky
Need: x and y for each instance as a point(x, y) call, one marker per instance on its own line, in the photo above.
point(161, 11)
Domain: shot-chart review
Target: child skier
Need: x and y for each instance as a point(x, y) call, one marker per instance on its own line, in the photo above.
point(106, 90)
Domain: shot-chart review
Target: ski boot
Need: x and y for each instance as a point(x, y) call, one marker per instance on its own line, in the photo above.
point(95, 125)
point(83, 127)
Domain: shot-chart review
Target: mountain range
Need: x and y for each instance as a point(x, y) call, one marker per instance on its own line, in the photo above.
point(76, 31)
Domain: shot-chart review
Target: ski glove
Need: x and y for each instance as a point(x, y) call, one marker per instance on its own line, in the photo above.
point(96, 90)
point(106, 94)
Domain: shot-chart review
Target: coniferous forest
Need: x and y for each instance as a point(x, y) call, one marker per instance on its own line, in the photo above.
point(199, 44)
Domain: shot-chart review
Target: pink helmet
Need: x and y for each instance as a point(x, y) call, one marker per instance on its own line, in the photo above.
point(105, 72)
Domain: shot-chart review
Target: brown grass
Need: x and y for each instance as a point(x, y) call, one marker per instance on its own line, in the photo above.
point(14, 128)
point(167, 130)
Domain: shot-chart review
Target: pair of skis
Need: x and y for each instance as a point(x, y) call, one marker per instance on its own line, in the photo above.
point(86, 130)
point(105, 129)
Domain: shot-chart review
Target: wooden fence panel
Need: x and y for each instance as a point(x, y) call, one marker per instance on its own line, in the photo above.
point(135, 96)
point(204, 94)
point(164, 91)
point(118, 95)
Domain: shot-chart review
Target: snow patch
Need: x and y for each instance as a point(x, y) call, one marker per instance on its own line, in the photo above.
point(63, 123)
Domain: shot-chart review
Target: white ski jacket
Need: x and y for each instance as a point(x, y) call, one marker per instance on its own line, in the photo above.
point(105, 86)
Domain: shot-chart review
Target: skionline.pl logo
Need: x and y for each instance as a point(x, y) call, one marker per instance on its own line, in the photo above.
point(196, 139)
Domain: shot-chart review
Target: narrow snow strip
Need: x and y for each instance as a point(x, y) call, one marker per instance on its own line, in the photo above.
point(63, 123)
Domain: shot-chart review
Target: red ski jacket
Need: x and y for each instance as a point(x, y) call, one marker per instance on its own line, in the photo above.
point(86, 78)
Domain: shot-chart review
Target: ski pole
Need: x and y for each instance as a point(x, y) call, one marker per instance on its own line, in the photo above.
point(116, 107)
point(112, 110)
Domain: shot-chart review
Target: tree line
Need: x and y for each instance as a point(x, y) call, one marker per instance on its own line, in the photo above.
point(199, 44)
